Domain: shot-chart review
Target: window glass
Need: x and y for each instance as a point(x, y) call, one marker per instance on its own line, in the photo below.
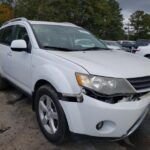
point(71, 38)
point(21, 34)
point(7, 35)
point(1, 33)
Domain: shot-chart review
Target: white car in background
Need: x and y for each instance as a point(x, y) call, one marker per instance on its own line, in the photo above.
point(144, 51)
point(114, 45)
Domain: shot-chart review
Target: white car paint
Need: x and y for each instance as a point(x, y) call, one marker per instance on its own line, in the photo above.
point(116, 65)
point(18, 44)
point(114, 47)
point(59, 68)
point(143, 50)
point(119, 118)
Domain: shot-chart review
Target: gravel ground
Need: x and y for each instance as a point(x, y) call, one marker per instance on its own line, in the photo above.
point(19, 130)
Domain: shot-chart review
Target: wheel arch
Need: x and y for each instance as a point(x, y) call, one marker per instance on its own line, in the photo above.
point(147, 55)
point(41, 82)
point(37, 85)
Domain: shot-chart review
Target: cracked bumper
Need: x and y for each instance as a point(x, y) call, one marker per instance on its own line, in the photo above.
point(119, 120)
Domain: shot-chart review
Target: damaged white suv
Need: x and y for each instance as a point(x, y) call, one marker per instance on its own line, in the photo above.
point(76, 83)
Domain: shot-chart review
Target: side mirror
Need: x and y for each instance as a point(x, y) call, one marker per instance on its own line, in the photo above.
point(19, 45)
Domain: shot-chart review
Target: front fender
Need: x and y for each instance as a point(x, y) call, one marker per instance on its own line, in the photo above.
point(63, 80)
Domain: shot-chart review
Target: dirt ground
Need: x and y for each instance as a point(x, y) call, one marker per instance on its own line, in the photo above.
point(19, 130)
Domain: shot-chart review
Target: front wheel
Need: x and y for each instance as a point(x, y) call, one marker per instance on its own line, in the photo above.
point(50, 115)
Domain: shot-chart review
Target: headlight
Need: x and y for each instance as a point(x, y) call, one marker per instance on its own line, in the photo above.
point(104, 85)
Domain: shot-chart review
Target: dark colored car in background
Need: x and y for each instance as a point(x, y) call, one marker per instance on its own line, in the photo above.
point(142, 42)
point(128, 44)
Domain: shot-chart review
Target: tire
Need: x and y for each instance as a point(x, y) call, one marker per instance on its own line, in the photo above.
point(147, 56)
point(3, 84)
point(50, 115)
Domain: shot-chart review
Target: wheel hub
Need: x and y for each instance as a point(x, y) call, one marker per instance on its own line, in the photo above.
point(48, 114)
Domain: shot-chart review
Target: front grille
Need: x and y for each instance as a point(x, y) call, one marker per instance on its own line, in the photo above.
point(140, 83)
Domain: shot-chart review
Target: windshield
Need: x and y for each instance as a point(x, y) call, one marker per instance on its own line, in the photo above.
point(67, 38)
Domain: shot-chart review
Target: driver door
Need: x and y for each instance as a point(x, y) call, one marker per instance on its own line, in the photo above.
point(21, 61)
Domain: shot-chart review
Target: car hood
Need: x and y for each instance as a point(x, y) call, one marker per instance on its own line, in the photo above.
point(110, 63)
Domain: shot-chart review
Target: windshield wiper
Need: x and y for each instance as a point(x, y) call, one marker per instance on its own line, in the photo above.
point(95, 48)
point(68, 49)
point(58, 48)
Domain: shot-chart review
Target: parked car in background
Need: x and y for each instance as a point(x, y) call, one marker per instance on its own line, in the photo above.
point(134, 45)
point(142, 42)
point(128, 44)
point(114, 45)
point(76, 83)
point(144, 51)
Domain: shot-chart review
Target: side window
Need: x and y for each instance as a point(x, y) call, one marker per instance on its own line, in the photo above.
point(1, 33)
point(21, 34)
point(6, 37)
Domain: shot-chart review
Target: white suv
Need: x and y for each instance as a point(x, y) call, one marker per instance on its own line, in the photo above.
point(76, 83)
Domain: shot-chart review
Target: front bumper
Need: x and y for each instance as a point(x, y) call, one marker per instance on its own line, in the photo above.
point(119, 120)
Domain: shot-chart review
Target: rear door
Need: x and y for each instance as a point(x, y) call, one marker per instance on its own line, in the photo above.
point(6, 38)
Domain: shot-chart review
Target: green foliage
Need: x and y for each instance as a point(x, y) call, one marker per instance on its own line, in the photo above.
point(140, 21)
point(6, 12)
point(102, 17)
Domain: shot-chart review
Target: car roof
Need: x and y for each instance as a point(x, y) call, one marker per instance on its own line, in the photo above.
point(22, 19)
point(53, 23)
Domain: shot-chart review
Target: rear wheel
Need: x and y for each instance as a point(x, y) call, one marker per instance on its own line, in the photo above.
point(147, 56)
point(3, 84)
point(50, 115)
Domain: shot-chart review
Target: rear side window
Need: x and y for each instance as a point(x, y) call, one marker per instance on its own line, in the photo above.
point(1, 33)
point(6, 37)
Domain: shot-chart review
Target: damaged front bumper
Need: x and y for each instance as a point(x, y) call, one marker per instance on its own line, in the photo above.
point(117, 120)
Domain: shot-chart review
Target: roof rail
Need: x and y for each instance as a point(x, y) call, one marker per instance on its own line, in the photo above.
point(69, 23)
point(16, 19)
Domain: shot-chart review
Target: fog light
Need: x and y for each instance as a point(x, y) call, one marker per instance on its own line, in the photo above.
point(99, 125)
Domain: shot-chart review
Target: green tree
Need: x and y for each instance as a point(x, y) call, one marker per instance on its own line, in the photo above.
point(102, 17)
point(140, 21)
point(6, 12)
point(114, 30)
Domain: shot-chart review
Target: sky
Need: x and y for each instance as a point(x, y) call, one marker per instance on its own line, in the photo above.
point(130, 6)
